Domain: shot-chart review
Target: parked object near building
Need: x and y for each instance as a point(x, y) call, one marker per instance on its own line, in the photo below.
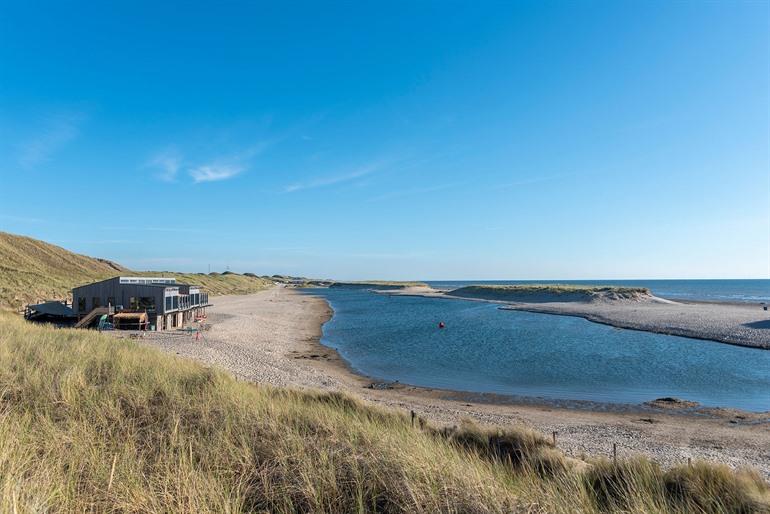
point(54, 312)
point(165, 303)
point(130, 321)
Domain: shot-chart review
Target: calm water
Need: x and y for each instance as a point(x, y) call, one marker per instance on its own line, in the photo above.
point(755, 290)
point(484, 349)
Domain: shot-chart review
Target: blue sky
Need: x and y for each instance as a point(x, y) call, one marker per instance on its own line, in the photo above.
point(394, 140)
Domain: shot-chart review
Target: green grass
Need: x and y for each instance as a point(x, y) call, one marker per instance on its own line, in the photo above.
point(553, 292)
point(385, 284)
point(90, 423)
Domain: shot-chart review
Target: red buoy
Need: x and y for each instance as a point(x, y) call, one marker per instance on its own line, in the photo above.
point(441, 324)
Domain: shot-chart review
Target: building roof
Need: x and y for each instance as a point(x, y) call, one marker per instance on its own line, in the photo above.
point(130, 315)
point(52, 309)
point(147, 280)
point(155, 282)
point(177, 284)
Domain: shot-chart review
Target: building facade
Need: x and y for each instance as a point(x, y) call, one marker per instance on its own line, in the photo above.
point(168, 304)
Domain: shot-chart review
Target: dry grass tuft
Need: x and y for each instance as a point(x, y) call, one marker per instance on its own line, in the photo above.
point(707, 487)
point(514, 446)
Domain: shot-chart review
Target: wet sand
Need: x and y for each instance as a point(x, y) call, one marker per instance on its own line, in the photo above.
point(731, 323)
point(273, 337)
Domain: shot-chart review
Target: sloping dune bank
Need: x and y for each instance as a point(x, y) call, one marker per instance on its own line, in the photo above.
point(632, 308)
point(274, 337)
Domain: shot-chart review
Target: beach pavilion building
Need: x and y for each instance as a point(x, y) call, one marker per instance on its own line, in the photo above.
point(164, 302)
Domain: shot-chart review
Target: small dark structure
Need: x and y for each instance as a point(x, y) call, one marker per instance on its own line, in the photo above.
point(57, 313)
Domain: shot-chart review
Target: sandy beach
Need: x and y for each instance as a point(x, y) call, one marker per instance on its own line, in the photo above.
point(273, 337)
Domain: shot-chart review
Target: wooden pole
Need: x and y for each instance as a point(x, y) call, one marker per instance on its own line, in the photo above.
point(112, 472)
point(413, 415)
point(615, 454)
point(554, 437)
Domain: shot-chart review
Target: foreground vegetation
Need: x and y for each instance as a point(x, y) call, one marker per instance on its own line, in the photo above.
point(90, 423)
point(33, 271)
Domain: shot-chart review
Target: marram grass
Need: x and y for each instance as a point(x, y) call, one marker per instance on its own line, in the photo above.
point(93, 424)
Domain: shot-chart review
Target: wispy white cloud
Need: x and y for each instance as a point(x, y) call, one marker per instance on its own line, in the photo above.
point(22, 219)
point(416, 191)
point(535, 180)
point(141, 228)
point(164, 260)
point(385, 255)
point(57, 130)
point(168, 162)
point(335, 179)
point(214, 172)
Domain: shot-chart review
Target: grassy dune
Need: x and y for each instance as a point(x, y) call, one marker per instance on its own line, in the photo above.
point(217, 283)
point(33, 270)
point(551, 292)
point(382, 284)
point(89, 423)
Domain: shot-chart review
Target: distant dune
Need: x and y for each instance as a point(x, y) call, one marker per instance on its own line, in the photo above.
point(379, 284)
point(555, 293)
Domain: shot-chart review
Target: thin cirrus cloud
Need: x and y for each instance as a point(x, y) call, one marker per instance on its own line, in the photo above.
point(56, 131)
point(169, 162)
point(536, 180)
point(334, 179)
point(417, 191)
point(215, 172)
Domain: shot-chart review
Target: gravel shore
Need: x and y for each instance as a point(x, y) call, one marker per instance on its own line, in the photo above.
point(743, 325)
point(272, 337)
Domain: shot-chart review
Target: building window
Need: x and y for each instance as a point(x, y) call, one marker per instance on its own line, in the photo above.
point(133, 303)
point(81, 305)
point(147, 303)
point(96, 302)
point(175, 299)
point(169, 303)
point(111, 301)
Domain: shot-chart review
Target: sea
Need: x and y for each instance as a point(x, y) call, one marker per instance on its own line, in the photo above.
point(530, 356)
